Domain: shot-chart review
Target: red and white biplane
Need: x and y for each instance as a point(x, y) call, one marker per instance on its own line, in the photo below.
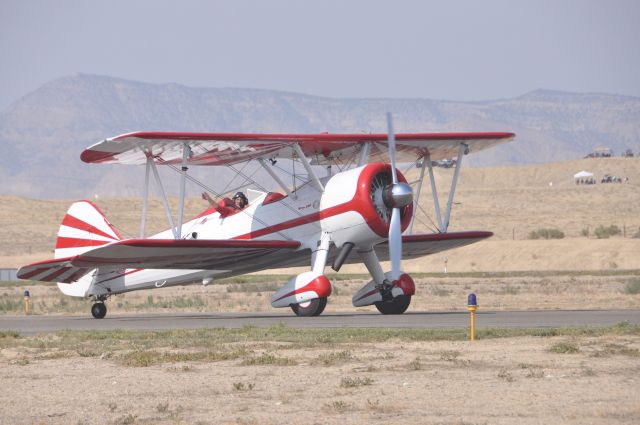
point(367, 205)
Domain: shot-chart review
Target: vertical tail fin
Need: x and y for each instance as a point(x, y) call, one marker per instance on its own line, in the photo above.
point(83, 228)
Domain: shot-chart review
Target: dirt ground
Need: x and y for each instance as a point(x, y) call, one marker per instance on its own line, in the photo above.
point(525, 380)
point(569, 379)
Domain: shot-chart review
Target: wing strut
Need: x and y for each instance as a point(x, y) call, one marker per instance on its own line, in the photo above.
point(418, 189)
point(462, 149)
point(164, 199)
point(364, 154)
point(186, 151)
point(145, 199)
point(276, 178)
point(312, 175)
point(434, 191)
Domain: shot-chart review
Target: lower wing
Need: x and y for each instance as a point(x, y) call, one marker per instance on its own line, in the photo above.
point(414, 246)
point(237, 255)
point(161, 254)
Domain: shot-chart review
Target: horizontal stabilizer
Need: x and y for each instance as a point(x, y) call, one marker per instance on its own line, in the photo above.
point(58, 270)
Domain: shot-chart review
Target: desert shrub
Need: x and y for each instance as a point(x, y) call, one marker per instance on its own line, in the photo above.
point(9, 334)
point(603, 232)
point(242, 386)
point(632, 287)
point(10, 304)
point(337, 406)
point(636, 235)
point(546, 234)
point(268, 359)
point(328, 359)
point(348, 382)
point(564, 347)
point(585, 232)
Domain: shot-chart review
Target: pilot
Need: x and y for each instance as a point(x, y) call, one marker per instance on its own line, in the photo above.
point(239, 200)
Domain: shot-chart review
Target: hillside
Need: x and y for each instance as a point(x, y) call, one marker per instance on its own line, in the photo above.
point(42, 134)
point(510, 201)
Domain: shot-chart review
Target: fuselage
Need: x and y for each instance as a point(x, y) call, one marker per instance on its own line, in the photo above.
point(345, 210)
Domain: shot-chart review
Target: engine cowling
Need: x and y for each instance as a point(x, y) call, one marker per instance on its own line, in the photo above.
point(353, 208)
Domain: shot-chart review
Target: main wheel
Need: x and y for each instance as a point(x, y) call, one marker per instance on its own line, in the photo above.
point(398, 305)
point(310, 308)
point(99, 310)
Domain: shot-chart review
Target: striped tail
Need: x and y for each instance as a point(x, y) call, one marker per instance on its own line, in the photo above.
point(83, 228)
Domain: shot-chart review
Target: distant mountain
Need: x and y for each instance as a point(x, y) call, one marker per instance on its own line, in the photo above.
point(42, 134)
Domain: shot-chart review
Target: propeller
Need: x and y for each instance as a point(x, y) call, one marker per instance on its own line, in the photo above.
point(397, 196)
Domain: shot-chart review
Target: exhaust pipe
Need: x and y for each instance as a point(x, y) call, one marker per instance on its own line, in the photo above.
point(342, 256)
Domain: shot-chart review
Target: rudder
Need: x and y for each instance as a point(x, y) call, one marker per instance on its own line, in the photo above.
point(83, 228)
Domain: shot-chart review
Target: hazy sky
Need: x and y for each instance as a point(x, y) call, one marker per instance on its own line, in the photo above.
point(463, 50)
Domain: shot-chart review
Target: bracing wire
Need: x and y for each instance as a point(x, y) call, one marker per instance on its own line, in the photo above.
point(218, 195)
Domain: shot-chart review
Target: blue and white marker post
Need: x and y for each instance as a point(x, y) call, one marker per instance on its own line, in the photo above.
point(472, 306)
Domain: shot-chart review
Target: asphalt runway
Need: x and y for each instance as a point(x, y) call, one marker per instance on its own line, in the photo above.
point(425, 320)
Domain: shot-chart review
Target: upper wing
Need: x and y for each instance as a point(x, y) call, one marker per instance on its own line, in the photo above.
point(232, 148)
point(235, 255)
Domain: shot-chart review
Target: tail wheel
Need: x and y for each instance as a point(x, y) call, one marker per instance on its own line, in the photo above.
point(397, 305)
point(99, 310)
point(310, 308)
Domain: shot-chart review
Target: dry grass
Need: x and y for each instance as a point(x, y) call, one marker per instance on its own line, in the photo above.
point(510, 201)
point(435, 292)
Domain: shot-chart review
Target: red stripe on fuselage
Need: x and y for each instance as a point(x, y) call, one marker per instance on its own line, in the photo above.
point(307, 219)
point(120, 275)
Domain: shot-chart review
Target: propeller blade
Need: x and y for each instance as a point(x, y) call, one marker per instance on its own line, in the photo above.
point(395, 242)
point(395, 226)
point(391, 139)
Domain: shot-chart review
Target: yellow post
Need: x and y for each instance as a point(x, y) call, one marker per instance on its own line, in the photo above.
point(472, 313)
point(472, 306)
point(26, 302)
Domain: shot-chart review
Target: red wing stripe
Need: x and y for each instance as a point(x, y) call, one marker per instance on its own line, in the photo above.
point(33, 273)
point(52, 276)
point(76, 223)
point(63, 242)
point(306, 138)
point(75, 276)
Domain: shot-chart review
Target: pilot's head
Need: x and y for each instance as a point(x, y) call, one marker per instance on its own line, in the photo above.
point(239, 200)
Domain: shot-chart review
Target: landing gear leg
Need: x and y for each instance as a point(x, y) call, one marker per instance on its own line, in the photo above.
point(316, 306)
point(99, 309)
